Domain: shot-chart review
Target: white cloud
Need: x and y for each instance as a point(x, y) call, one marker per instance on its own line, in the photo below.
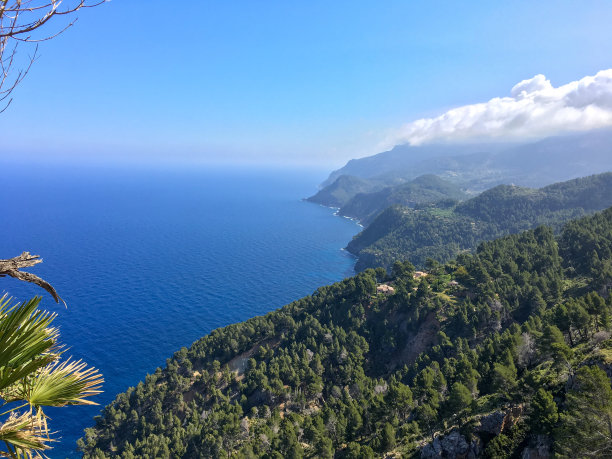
point(534, 109)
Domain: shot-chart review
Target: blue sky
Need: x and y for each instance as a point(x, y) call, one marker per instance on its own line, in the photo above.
point(314, 82)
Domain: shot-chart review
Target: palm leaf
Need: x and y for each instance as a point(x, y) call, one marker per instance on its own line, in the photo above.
point(25, 432)
point(27, 342)
point(30, 371)
point(66, 383)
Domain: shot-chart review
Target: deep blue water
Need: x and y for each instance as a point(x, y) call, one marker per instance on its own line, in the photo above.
point(150, 260)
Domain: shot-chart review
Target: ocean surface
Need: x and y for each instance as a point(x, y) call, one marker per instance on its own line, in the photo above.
point(149, 260)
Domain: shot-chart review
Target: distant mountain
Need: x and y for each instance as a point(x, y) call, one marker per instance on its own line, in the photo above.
point(441, 231)
point(424, 189)
point(477, 167)
point(405, 157)
point(343, 189)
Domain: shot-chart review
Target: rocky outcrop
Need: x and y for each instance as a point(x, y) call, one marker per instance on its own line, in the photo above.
point(500, 421)
point(417, 343)
point(455, 446)
point(540, 449)
point(492, 423)
point(452, 446)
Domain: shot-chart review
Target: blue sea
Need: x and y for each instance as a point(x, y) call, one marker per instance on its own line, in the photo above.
point(150, 259)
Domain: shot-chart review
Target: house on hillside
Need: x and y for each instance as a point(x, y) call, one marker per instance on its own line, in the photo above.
point(385, 289)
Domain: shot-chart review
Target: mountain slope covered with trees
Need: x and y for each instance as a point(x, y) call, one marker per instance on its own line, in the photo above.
point(443, 230)
point(343, 189)
point(499, 353)
point(422, 190)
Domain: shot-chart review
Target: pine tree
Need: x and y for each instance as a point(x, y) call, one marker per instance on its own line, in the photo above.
point(324, 448)
point(586, 425)
point(504, 374)
point(388, 437)
point(553, 344)
point(460, 398)
point(544, 413)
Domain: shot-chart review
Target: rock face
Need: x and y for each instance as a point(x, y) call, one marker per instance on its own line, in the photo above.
point(432, 450)
point(500, 421)
point(492, 423)
point(455, 446)
point(539, 450)
point(452, 446)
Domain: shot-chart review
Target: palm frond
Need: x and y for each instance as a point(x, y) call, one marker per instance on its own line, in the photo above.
point(66, 383)
point(27, 341)
point(25, 432)
point(31, 372)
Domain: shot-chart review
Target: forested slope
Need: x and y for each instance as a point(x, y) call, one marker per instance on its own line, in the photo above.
point(443, 230)
point(422, 190)
point(343, 189)
point(496, 354)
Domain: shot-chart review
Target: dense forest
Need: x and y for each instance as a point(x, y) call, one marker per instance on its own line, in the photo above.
point(443, 230)
point(364, 200)
point(505, 352)
point(422, 190)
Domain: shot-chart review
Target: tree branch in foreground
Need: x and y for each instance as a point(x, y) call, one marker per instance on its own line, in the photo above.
point(12, 266)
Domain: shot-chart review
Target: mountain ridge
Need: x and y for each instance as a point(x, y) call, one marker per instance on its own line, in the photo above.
point(476, 167)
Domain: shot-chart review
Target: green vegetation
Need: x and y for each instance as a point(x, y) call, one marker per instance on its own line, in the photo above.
point(422, 190)
point(443, 230)
point(32, 377)
point(491, 354)
point(586, 427)
point(342, 190)
point(364, 199)
point(33, 372)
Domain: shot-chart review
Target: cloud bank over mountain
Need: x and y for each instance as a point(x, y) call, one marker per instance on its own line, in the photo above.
point(534, 109)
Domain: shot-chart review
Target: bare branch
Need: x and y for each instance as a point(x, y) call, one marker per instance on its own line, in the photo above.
point(20, 23)
point(12, 266)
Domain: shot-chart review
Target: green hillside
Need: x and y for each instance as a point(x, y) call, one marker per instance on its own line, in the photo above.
point(422, 190)
point(497, 354)
point(342, 190)
point(443, 230)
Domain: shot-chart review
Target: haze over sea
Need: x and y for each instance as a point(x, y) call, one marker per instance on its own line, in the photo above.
point(150, 260)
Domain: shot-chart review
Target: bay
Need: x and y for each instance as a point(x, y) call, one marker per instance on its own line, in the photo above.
point(150, 259)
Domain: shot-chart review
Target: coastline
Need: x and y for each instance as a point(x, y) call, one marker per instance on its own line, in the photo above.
point(239, 254)
point(336, 213)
